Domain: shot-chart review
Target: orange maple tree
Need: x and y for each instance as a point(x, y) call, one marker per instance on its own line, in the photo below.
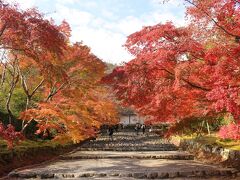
point(38, 57)
point(75, 105)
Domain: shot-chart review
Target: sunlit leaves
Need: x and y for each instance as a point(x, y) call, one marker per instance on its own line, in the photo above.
point(231, 131)
point(60, 80)
point(184, 72)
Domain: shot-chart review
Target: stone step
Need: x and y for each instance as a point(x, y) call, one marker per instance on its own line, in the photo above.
point(189, 157)
point(218, 174)
point(123, 167)
point(127, 157)
point(160, 175)
point(129, 139)
point(172, 155)
point(128, 149)
point(126, 144)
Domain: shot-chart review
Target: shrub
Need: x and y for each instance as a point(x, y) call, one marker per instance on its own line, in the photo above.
point(230, 131)
point(10, 135)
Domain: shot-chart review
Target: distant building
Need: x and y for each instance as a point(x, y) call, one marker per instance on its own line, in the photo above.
point(128, 116)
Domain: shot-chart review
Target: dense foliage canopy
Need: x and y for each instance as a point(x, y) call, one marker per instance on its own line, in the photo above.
point(48, 81)
point(180, 73)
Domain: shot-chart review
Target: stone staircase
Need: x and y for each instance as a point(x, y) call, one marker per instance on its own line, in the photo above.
point(128, 156)
point(128, 141)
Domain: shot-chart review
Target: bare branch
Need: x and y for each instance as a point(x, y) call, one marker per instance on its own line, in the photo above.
point(37, 87)
point(3, 29)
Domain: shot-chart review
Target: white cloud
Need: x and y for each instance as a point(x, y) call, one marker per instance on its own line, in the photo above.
point(103, 36)
point(129, 25)
point(167, 2)
point(106, 44)
point(85, 3)
point(73, 16)
point(66, 1)
point(106, 32)
point(25, 4)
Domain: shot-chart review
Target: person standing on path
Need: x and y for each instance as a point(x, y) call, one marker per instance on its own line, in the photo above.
point(110, 133)
point(137, 128)
point(143, 128)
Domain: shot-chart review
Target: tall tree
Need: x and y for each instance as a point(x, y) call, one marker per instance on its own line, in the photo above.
point(78, 105)
point(183, 72)
point(37, 57)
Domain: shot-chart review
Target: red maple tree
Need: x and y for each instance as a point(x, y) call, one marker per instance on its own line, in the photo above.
point(183, 72)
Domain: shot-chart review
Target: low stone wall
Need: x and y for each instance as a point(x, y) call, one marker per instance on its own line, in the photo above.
point(210, 153)
point(10, 160)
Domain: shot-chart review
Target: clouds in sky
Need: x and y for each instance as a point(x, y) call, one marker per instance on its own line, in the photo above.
point(105, 24)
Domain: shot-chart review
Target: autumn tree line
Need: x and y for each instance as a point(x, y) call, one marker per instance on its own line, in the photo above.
point(186, 76)
point(47, 84)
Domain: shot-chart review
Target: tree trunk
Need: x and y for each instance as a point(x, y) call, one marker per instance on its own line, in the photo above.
point(3, 75)
point(13, 85)
point(26, 107)
point(208, 128)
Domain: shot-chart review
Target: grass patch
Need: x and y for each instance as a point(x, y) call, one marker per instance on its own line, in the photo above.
point(214, 140)
point(28, 144)
point(30, 152)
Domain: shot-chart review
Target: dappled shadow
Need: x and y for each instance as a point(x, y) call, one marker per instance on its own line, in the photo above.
point(120, 166)
point(124, 165)
point(124, 141)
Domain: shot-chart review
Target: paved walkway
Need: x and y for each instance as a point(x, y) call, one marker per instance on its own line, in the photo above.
point(127, 157)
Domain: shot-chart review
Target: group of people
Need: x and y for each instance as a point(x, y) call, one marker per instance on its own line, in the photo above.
point(142, 127)
point(139, 127)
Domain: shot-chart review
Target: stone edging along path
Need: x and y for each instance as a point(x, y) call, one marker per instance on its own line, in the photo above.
point(108, 168)
point(226, 174)
point(32, 156)
point(93, 160)
point(209, 153)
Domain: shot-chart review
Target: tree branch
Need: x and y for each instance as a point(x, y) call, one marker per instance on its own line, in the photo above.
point(213, 20)
point(3, 29)
point(186, 81)
point(54, 92)
point(37, 87)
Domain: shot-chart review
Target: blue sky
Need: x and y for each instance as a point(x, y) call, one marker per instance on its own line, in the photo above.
point(105, 24)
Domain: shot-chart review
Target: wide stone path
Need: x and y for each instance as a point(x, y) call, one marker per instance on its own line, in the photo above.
point(128, 156)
